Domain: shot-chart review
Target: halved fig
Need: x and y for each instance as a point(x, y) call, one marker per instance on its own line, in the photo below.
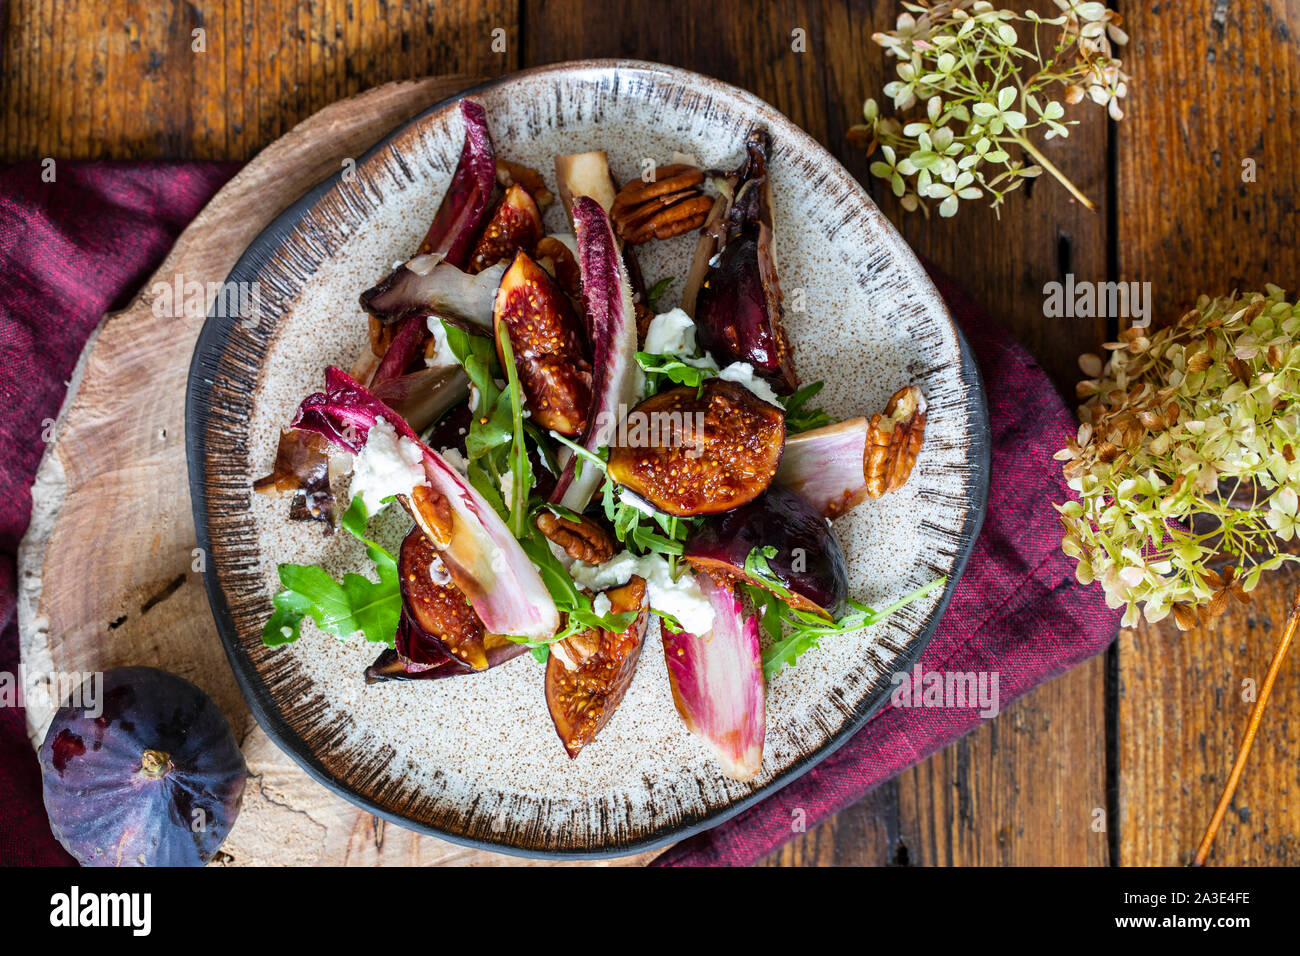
point(588, 674)
point(702, 451)
point(557, 258)
point(515, 226)
point(550, 349)
point(808, 562)
point(738, 310)
point(439, 609)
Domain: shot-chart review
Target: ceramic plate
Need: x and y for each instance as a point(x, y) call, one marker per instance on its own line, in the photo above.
point(475, 759)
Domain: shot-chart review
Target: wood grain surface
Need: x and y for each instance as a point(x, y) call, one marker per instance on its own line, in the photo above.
point(1145, 734)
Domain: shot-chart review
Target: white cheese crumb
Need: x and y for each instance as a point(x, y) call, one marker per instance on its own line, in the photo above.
point(443, 355)
point(671, 333)
point(600, 604)
point(742, 373)
point(682, 598)
point(387, 465)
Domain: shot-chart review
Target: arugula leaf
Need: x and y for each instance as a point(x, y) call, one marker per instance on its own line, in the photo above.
point(798, 418)
point(660, 367)
point(572, 602)
point(521, 470)
point(656, 292)
point(807, 629)
point(341, 609)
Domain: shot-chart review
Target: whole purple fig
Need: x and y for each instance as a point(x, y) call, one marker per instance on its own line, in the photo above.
point(142, 770)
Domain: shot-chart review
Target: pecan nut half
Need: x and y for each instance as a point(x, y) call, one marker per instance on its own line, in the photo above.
point(893, 442)
point(582, 540)
point(669, 205)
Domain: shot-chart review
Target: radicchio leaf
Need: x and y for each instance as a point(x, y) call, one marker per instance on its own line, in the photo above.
point(611, 327)
point(407, 344)
point(826, 466)
point(738, 313)
point(717, 682)
point(482, 556)
point(468, 201)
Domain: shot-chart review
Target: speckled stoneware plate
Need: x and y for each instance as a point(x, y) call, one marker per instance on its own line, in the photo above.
point(475, 759)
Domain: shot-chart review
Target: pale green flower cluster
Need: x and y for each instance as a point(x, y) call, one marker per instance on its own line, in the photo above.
point(986, 89)
point(1188, 457)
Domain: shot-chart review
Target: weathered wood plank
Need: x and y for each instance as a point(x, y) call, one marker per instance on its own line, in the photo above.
point(1219, 93)
point(84, 80)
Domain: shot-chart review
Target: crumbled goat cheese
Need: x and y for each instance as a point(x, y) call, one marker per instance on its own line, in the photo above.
point(453, 457)
point(671, 333)
point(742, 373)
point(387, 465)
point(600, 605)
point(443, 355)
point(682, 598)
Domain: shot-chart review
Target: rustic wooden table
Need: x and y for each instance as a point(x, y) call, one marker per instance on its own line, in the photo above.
point(1122, 759)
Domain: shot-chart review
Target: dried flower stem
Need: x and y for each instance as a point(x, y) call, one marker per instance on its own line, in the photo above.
point(1279, 655)
point(1059, 176)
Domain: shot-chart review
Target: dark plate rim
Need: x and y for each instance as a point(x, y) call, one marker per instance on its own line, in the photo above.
point(212, 341)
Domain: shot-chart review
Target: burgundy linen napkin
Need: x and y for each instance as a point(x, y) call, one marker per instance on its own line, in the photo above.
point(73, 249)
point(70, 250)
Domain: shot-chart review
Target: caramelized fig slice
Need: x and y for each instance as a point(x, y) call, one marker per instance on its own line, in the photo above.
point(699, 451)
point(588, 674)
point(515, 226)
point(738, 310)
point(808, 561)
point(549, 346)
point(439, 610)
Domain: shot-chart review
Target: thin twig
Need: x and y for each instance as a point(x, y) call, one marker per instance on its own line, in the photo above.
point(1279, 655)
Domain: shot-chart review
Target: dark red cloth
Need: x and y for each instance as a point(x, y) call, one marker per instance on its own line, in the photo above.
point(70, 250)
point(73, 249)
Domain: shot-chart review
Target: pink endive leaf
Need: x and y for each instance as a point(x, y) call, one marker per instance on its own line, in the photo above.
point(468, 201)
point(483, 557)
point(717, 682)
point(611, 324)
point(826, 466)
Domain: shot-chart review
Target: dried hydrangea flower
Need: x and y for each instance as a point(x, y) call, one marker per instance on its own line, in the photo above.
point(987, 80)
point(1187, 457)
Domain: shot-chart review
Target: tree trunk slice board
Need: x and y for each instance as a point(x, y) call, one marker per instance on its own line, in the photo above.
point(109, 572)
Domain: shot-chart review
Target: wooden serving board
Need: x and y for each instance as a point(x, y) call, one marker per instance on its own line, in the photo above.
point(109, 572)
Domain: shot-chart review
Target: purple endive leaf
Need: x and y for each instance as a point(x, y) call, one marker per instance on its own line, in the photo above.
point(482, 556)
point(406, 345)
point(826, 466)
point(738, 312)
point(421, 397)
point(468, 202)
point(611, 325)
point(717, 682)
